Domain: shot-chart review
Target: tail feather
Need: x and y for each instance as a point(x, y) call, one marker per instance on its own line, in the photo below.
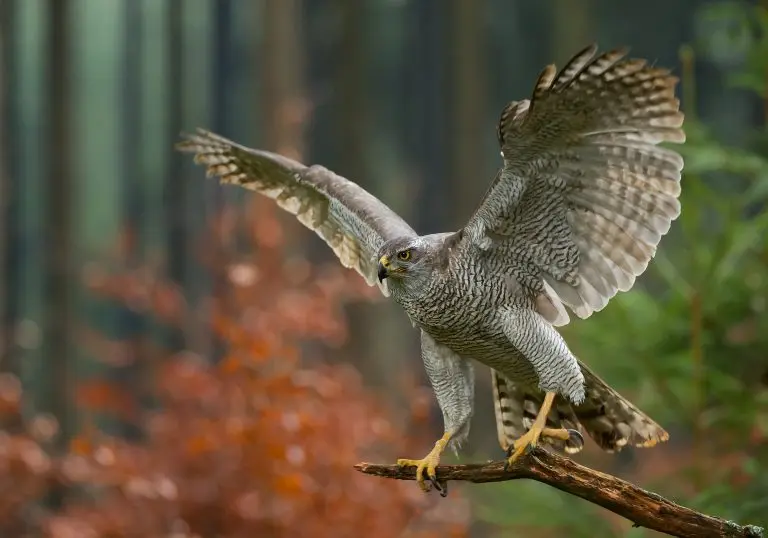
point(517, 408)
point(607, 417)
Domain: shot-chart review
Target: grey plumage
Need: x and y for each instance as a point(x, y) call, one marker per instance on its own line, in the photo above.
point(453, 379)
point(573, 216)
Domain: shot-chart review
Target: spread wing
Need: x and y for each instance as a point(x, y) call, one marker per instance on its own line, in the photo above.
point(585, 193)
point(353, 222)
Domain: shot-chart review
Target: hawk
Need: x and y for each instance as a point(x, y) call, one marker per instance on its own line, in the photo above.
point(573, 216)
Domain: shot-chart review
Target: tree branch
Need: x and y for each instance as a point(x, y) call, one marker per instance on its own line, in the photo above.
point(643, 508)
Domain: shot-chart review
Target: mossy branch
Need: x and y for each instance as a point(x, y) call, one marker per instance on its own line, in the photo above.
point(643, 508)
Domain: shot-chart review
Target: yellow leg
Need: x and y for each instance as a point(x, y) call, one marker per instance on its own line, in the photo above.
point(560, 433)
point(429, 462)
point(531, 437)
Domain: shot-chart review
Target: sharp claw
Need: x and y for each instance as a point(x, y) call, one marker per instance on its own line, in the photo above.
point(515, 456)
point(575, 436)
point(506, 460)
point(427, 465)
point(422, 474)
point(441, 487)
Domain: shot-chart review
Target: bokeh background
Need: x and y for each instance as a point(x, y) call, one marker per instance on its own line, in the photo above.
point(180, 359)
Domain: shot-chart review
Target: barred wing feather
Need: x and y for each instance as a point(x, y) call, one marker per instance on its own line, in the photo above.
point(585, 193)
point(352, 222)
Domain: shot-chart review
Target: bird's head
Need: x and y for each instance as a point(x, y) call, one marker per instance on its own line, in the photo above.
point(401, 259)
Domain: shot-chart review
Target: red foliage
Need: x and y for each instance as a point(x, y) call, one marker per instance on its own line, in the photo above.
point(258, 444)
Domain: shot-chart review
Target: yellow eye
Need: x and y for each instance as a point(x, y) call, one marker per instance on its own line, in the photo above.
point(404, 255)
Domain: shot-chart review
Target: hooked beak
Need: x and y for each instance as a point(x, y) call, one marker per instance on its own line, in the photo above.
point(383, 271)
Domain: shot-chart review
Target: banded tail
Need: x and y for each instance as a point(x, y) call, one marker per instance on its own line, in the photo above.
point(606, 416)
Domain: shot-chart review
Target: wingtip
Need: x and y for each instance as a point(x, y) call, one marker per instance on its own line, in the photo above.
point(183, 144)
point(186, 139)
point(590, 49)
point(622, 50)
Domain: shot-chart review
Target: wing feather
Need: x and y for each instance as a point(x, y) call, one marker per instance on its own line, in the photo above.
point(585, 194)
point(350, 220)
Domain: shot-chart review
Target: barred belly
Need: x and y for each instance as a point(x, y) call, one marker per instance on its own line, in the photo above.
point(492, 349)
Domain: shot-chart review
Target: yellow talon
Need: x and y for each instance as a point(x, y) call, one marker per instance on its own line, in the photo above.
point(521, 445)
point(531, 437)
point(430, 463)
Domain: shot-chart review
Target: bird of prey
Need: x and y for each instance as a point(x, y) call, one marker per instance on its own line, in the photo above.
point(573, 215)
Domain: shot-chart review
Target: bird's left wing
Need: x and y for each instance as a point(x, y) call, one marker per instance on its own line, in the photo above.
point(585, 193)
point(353, 222)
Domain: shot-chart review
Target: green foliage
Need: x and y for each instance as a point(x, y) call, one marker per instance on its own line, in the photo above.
point(521, 505)
point(738, 31)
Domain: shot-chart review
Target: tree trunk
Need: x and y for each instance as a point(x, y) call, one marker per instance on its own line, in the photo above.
point(8, 196)
point(133, 326)
point(283, 105)
point(175, 195)
point(220, 90)
point(59, 281)
point(222, 54)
point(469, 176)
point(426, 111)
point(282, 78)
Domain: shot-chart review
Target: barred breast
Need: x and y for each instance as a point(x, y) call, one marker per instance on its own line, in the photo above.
point(460, 309)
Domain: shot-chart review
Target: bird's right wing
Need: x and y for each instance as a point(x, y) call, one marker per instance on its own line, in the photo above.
point(352, 222)
point(585, 193)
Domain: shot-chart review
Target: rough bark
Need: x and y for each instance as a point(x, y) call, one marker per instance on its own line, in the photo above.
point(643, 508)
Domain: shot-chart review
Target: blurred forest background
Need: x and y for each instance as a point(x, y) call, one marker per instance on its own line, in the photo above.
point(180, 359)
